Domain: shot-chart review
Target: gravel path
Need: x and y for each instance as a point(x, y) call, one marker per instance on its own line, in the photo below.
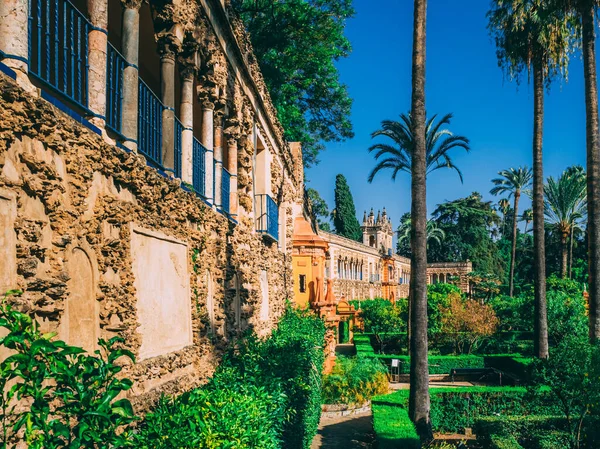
point(348, 432)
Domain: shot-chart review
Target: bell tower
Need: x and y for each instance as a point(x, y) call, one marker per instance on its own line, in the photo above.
point(377, 231)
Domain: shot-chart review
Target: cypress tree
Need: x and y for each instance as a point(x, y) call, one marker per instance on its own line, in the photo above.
point(344, 215)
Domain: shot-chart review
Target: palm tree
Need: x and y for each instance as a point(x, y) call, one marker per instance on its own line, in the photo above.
point(419, 402)
point(434, 233)
point(398, 156)
point(504, 206)
point(513, 181)
point(527, 217)
point(585, 11)
point(565, 208)
point(533, 38)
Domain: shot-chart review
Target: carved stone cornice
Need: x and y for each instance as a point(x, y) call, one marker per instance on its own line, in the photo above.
point(131, 4)
point(169, 45)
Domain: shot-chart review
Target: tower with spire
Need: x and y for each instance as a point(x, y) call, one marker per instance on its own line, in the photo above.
point(377, 231)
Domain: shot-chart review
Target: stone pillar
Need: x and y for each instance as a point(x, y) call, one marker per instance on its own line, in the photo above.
point(130, 49)
point(208, 135)
point(167, 47)
point(218, 155)
point(98, 41)
point(232, 162)
point(13, 33)
point(186, 113)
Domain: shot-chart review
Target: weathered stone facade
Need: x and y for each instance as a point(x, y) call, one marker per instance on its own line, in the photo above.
point(104, 243)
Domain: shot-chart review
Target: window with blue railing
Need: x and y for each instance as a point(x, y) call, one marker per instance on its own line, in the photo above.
point(177, 147)
point(58, 48)
point(225, 184)
point(199, 172)
point(115, 64)
point(267, 216)
point(150, 124)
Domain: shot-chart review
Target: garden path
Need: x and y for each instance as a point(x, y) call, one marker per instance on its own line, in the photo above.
point(347, 432)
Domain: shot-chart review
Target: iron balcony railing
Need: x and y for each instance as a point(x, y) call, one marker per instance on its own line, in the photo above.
point(150, 124)
point(115, 64)
point(58, 48)
point(199, 171)
point(225, 184)
point(177, 148)
point(267, 216)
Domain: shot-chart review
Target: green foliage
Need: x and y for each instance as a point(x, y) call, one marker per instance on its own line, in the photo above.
point(434, 234)
point(469, 224)
point(344, 215)
point(354, 380)
point(319, 209)
point(297, 44)
point(265, 394)
point(380, 316)
point(58, 395)
point(438, 300)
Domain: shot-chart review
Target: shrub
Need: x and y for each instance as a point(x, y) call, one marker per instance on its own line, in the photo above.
point(265, 394)
point(58, 395)
point(354, 381)
point(393, 428)
point(380, 316)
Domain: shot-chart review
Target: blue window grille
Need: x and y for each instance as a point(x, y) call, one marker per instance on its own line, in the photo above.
point(58, 48)
point(225, 183)
point(150, 124)
point(199, 172)
point(115, 64)
point(177, 147)
point(267, 216)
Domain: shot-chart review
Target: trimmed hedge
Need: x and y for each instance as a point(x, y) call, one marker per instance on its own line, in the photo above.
point(515, 365)
point(522, 432)
point(393, 428)
point(454, 409)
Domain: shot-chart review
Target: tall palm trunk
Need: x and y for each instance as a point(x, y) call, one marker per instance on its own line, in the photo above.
point(571, 251)
point(541, 321)
point(419, 368)
point(513, 254)
point(593, 164)
point(564, 248)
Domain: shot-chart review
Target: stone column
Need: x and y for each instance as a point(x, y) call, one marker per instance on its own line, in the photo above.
point(167, 48)
point(130, 50)
point(98, 41)
point(218, 155)
point(186, 113)
point(208, 109)
point(13, 33)
point(232, 162)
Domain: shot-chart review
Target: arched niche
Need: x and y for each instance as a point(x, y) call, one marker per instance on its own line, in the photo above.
point(80, 324)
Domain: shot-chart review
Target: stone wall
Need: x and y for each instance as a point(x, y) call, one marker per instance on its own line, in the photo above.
point(101, 244)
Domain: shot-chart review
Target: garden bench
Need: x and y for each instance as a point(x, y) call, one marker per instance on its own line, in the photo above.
point(480, 372)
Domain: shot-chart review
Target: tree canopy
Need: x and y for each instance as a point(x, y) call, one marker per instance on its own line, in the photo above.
point(297, 44)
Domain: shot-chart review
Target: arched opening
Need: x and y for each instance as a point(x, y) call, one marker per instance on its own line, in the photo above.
point(372, 241)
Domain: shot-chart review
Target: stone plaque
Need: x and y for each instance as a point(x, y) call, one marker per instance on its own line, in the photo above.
point(160, 268)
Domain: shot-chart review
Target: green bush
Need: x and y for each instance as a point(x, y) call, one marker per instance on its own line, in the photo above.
point(354, 380)
point(265, 394)
point(57, 395)
point(515, 365)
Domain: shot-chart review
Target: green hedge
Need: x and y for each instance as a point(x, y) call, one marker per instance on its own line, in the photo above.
point(515, 365)
point(393, 428)
point(522, 432)
point(453, 409)
point(265, 395)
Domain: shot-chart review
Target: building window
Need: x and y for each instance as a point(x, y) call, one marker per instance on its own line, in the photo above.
point(302, 283)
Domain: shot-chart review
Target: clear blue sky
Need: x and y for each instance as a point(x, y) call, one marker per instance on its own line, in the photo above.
point(463, 77)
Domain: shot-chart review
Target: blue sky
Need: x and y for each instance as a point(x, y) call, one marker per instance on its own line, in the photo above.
point(463, 77)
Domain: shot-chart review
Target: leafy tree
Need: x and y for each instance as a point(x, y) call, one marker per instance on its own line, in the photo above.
point(468, 224)
point(344, 214)
point(398, 156)
point(297, 44)
point(533, 37)
point(466, 322)
point(512, 181)
point(505, 209)
point(565, 208)
point(319, 209)
point(434, 234)
point(483, 285)
point(419, 401)
point(381, 317)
